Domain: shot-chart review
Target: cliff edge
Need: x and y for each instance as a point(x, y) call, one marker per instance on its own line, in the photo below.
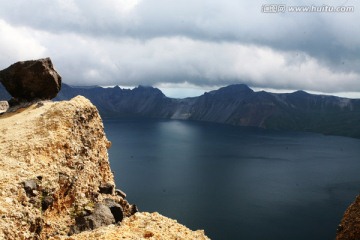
point(349, 227)
point(56, 181)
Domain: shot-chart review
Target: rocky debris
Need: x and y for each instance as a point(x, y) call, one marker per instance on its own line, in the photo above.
point(15, 105)
point(37, 195)
point(46, 202)
point(101, 216)
point(52, 159)
point(106, 188)
point(120, 193)
point(36, 226)
point(105, 213)
point(349, 228)
point(134, 209)
point(30, 187)
point(115, 209)
point(142, 225)
point(27, 81)
point(4, 105)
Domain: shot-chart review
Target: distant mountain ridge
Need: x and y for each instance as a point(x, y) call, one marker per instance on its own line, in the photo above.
point(234, 104)
point(4, 95)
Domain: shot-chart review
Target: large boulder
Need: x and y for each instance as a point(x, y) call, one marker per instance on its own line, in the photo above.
point(101, 216)
point(31, 80)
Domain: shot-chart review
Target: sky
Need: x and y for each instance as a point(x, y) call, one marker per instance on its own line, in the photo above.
point(186, 47)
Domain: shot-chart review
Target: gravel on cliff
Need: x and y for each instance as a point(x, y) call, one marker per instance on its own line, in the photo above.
point(53, 160)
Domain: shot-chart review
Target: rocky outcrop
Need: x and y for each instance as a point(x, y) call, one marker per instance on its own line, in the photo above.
point(349, 227)
point(143, 226)
point(56, 179)
point(31, 80)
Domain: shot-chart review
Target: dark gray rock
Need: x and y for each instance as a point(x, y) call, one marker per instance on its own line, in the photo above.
point(101, 216)
point(37, 226)
point(29, 186)
point(106, 188)
point(30, 80)
point(46, 202)
point(120, 193)
point(115, 209)
point(134, 209)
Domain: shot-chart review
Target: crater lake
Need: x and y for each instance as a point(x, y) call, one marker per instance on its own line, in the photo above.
point(235, 182)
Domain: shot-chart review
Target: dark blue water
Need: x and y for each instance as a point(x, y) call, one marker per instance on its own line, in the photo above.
point(236, 183)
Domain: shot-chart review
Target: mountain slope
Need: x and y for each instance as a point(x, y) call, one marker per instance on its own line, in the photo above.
point(4, 95)
point(234, 104)
point(142, 101)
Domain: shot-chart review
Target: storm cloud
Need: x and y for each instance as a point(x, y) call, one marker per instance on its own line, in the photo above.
point(199, 44)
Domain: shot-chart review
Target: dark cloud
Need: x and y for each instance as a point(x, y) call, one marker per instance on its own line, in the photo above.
point(204, 43)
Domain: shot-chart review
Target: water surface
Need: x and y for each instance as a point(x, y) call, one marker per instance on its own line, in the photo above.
point(236, 183)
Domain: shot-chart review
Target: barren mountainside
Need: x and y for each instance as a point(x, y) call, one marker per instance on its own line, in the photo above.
point(56, 180)
point(236, 105)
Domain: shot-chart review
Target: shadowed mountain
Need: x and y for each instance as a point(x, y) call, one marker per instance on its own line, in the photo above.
point(234, 104)
point(4, 95)
point(141, 101)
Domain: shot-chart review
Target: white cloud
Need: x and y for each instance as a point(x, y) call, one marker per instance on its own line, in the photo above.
point(125, 6)
point(204, 43)
point(18, 43)
point(176, 60)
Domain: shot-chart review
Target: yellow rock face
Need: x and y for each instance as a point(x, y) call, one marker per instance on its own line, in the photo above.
point(349, 228)
point(142, 225)
point(62, 147)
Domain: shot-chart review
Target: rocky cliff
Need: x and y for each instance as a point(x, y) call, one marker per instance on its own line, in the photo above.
point(349, 227)
point(56, 181)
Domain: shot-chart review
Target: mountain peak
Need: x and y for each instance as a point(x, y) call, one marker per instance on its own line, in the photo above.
point(300, 93)
point(233, 89)
point(148, 90)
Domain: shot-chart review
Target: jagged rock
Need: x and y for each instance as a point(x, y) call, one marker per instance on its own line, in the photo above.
point(106, 188)
point(41, 144)
point(120, 193)
point(15, 105)
point(134, 209)
point(115, 209)
point(31, 80)
point(47, 202)
point(101, 216)
point(37, 226)
point(143, 226)
point(108, 212)
point(30, 186)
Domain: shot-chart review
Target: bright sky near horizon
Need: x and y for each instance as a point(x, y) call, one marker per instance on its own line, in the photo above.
point(190, 46)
